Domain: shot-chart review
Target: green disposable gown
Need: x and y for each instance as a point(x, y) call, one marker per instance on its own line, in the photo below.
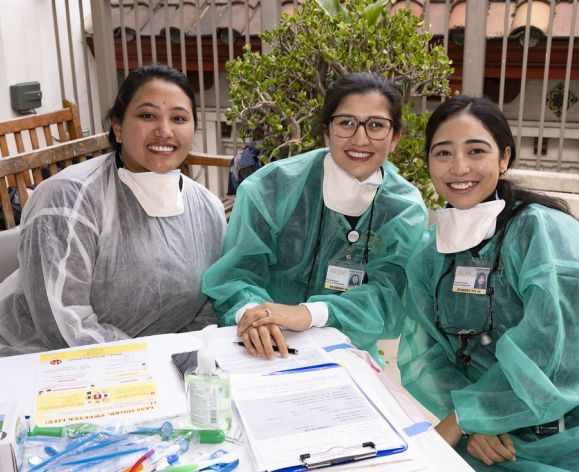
point(271, 240)
point(529, 374)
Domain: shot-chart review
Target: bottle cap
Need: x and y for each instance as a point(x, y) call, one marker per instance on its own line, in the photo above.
point(206, 357)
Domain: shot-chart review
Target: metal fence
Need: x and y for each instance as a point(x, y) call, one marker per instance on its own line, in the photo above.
point(521, 53)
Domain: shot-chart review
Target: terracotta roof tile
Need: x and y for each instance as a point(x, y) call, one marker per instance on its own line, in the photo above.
point(516, 16)
point(199, 18)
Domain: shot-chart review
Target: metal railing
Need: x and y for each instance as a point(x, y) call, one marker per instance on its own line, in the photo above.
point(531, 68)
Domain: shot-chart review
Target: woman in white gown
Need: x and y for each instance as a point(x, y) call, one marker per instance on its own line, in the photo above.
point(115, 247)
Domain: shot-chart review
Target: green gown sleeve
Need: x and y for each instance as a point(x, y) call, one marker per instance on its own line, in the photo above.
point(237, 278)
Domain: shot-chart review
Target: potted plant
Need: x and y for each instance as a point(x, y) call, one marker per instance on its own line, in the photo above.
point(276, 97)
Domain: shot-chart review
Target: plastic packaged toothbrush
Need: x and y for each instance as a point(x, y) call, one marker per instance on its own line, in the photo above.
point(46, 454)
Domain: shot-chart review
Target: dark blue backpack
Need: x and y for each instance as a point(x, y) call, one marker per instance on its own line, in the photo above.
point(245, 163)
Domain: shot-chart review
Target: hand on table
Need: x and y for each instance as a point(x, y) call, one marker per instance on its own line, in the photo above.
point(490, 448)
point(260, 327)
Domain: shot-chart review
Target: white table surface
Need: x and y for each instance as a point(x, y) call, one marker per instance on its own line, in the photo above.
point(431, 452)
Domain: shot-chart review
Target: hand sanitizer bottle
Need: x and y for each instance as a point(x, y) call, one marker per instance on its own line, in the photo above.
point(208, 390)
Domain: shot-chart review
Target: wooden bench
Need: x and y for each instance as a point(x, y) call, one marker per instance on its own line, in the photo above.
point(35, 165)
point(42, 130)
point(208, 161)
point(36, 128)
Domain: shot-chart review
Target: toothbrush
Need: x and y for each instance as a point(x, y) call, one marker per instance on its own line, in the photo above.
point(224, 459)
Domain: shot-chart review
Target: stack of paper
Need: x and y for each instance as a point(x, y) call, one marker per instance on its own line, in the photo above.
point(310, 416)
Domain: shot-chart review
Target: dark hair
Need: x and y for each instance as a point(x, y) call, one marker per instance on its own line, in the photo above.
point(134, 81)
point(478, 277)
point(491, 117)
point(361, 83)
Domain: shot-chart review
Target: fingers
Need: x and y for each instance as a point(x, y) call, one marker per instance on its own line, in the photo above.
point(247, 342)
point(294, 317)
point(490, 449)
point(260, 327)
point(251, 316)
point(508, 442)
point(278, 337)
point(265, 337)
point(260, 342)
point(257, 340)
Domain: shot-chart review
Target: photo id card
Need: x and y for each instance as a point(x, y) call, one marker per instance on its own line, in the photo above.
point(471, 280)
point(342, 276)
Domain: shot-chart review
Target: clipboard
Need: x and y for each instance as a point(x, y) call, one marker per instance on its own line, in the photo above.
point(310, 418)
point(339, 455)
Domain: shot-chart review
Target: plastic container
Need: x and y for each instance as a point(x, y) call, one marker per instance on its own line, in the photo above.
point(208, 390)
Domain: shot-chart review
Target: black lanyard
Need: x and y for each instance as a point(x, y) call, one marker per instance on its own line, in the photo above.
point(465, 334)
point(366, 252)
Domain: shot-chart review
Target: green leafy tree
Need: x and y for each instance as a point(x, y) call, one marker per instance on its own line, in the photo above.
point(276, 97)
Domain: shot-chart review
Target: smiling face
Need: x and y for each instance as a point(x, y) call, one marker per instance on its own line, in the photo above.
point(359, 155)
point(464, 161)
point(157, 129)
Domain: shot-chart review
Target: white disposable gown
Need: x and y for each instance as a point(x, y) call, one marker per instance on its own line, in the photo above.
point(94, 267)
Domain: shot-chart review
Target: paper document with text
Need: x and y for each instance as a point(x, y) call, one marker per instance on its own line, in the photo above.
point(315, 412)
point(235, 359)
point(94, 384)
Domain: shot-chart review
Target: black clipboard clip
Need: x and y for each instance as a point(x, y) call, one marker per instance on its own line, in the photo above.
point(339, 455)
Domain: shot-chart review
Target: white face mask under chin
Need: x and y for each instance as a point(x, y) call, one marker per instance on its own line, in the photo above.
point(158, 194)
point(459, 230)
point(344, 193)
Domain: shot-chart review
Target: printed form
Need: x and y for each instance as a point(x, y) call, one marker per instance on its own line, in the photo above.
point(308, 412)
point(235, 359)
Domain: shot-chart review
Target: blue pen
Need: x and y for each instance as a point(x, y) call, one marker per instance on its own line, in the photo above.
point(329, 365)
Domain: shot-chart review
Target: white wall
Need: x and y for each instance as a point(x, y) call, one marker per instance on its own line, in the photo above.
point(28, 53)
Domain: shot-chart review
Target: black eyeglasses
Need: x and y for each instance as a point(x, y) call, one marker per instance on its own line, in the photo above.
point(463, 356)
point(345, 126)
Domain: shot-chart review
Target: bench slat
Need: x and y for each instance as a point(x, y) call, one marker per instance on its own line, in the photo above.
point(21, 165)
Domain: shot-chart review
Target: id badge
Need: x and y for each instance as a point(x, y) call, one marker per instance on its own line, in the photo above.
point(343, 275)
point(471, 280)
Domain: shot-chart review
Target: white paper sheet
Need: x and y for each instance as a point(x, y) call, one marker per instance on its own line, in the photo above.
point(312, 411)
point(235, 358)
